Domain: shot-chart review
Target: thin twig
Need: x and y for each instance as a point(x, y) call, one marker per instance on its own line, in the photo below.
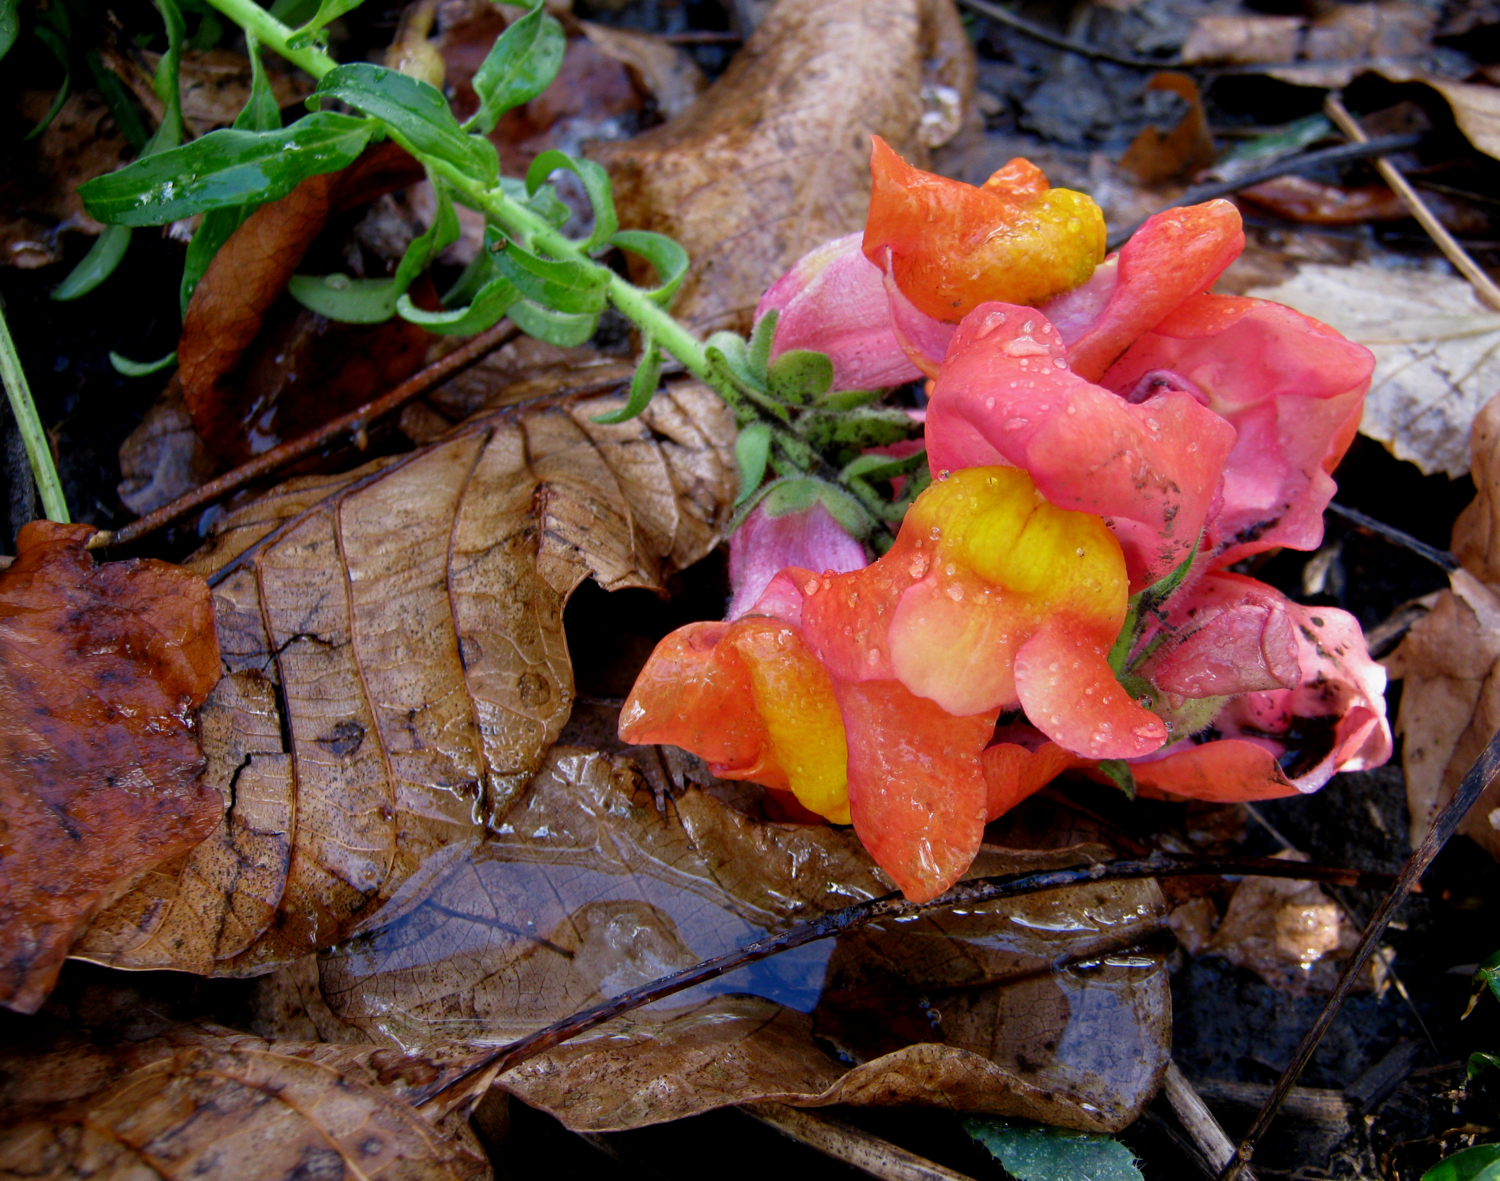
point(1283, 166)
point(974, 892)
point(854, 1146)
point(1444, 826)
point(1366, 524)
point(1199, 1123)
point(1477, 276)
point(1037, 33)
point(357, 420)
point(38, 450)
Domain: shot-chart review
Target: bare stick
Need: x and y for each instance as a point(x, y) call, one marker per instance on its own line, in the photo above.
point(1483, 285)
point(854, 1146)
point(1212, 1141)
point(1446, 823)
point(357, 420)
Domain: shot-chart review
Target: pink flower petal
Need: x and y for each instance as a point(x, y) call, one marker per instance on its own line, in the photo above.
point(1225, 635)
point(764, 545)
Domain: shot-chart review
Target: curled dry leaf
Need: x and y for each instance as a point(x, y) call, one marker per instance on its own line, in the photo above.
point(588, 890)
point(1155, 157)
point(774, 158)
point(1450, 703)
point(1437, 353)
point(230, 388)
point(101, 669)
point(212, 1104)
point(396, 666)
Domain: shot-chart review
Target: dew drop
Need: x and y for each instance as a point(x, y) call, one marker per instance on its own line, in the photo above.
point(1081, 551)
point(956, 593)
point(810, 586)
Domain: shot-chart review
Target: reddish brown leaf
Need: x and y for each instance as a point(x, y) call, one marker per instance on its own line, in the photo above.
point(100, 670)
point(1154, 157)
point(233, 379)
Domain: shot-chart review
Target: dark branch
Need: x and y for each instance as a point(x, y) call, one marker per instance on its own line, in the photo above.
point(1369, 525)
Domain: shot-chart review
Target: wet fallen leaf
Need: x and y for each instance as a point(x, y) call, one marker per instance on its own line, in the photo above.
point(774, 157)
point(214, 83)
point(1450, 660)
point(587, 890)
point(1437, 353)
point(101, 669)
point(396, 666)
point(664, 71)
point(163, 458)
point(232, 380)
point(210, 1103)
point(1153, 156)
point(1344, 32)
point(1243, 39)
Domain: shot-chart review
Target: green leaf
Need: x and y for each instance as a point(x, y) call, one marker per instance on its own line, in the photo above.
point(1121, 776)
point(846, 399)
point(1487, 975)
point(752, 448)
point(10, 24)
point(1143, 603)
point(54, 41)
point(1036, 1152)
point(643, 385)
point(118, 97)
point(260, 113)
point(328, 11)
point(1481, 1061)
point(565, 285)
point(762, 336)
point(129, 368)
point(669, 259)
point(799, 375)
point(799, 493)
point(417, 111)
point(491, 302)
point(225, 169)
point(169, 132)
point(595, 184)
point(1480, 1163)
point(435, 239)
point(519, 66)
point(1159, 592)
point(350, 301)
point(564, 329)
point(95, 266)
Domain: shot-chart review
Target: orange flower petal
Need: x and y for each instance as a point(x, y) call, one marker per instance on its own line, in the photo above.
point(1011, 772)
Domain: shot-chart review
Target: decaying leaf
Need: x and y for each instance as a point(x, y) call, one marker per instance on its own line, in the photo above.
point(1437, 353)
point(773, 159)
point(1155, 156)
point(228, 388)
point(163, 458)
point(1354, 33)
point(101, 669)
point(214, 84)
point(209, 1103)
point(395, 666)
point(1450, 702)
point(663, 70)
point(587, 890)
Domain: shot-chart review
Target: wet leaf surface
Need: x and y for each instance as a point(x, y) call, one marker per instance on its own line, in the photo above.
point(211, 1103)
point(773, 159)
point(101, 669)
point(1450, 699)
point(586, 890)
point(396, 666)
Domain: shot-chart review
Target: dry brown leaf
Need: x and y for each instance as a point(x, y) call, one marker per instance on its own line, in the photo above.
point(1153, 157)
point(773, 159)
point(208, 1103)
point(1343, 32)
point(1242, 40)
point(214, 84)
point(163, 458)
point(587, 890)
point(101, 669)
point(1450, 702)
point(231, 388)
point(396, 666)
point(1437, 352)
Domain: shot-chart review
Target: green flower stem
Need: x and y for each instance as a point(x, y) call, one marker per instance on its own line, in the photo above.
point(37, 448)
point(523, 224)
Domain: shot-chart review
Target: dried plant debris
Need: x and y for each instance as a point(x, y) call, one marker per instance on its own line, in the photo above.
point(773, 159)
point(1045, 1008)
point(209, 1103)
point(1450, 703)
point(1437, 352)
point(395, 666)
point(101, 670)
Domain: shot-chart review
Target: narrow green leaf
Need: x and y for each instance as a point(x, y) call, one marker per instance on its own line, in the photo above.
point(799, 375)
point(10, 24)
point(491, 303)
point(350, 301)
point(643, 385)
point(1480, 1163)
point(669, 259)
point(564, 329)
point(762, 336)
point(1159, 592)
point(752, 448)
point(1121, 776)
point(845, 399)
point(166, 82)
point(1036, 1152)
point(129, 368)
point(415, 109)
point(328, 11)
point(95, 266)
point(53, 41)
point(519, 66)
point(595, 184)
point(119, 100)
point(260, 112)
point(565, 285)
point(435, 239)
point(1487, 975)
point(225, 169)
point(1482, 1060)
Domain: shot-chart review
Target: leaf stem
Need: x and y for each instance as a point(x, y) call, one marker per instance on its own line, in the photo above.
point(274, 35)
point(37, 448)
